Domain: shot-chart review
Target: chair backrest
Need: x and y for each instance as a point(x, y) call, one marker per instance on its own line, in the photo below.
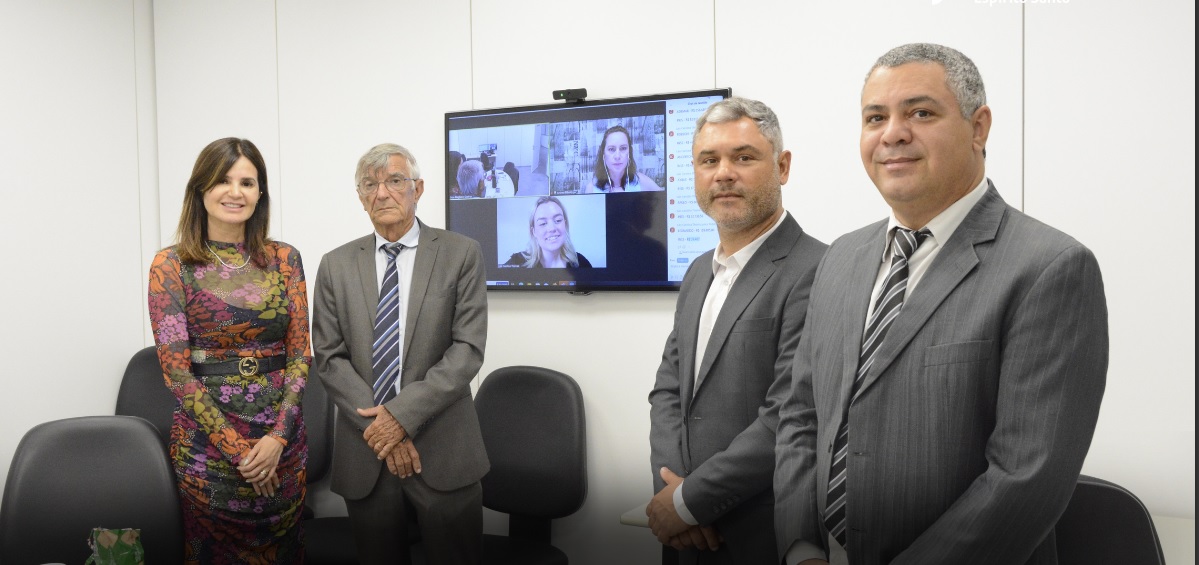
point(317, 410)
point(69, 476)
point(144, 393)
point(1105, 523)
point(535, 430)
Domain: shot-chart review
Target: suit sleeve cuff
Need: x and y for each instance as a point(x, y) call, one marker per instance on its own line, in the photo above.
point(681, 507)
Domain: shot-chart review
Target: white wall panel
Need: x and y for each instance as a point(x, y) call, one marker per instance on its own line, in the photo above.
point(353, 75)
point(71, 276)
point(215, 77)
point(1110, 145)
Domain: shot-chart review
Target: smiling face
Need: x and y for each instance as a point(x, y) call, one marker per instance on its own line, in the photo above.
point(917, 148)
point(393, 211)
point(549, 228)
point(738, 181)
point(231, 201)
point(616, 154)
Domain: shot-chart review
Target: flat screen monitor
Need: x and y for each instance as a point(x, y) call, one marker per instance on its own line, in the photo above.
point(585, 196)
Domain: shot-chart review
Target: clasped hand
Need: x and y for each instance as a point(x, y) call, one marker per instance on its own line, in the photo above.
point(669, 527)
point(259, 466)
point(388, 439)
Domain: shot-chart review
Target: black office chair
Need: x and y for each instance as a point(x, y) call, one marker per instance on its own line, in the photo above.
point(144, 393)
point(1105, 523)
point(535, 431)
point(329, 540)
point(69, 476)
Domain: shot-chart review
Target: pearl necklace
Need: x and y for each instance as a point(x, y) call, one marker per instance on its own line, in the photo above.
point(244, 262)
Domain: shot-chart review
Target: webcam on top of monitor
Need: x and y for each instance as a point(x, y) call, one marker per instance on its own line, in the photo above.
point(571, 94)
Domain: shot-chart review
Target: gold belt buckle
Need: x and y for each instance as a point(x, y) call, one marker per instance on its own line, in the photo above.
point(248, 366)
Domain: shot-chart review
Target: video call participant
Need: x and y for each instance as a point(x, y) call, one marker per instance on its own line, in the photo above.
point(470, 179)
point(407, 440)
point(615, 167)
point(453, 160)
point(510, 170)
point(727, 363)
point(229, 309)
point(956, 433)
point(549, 239)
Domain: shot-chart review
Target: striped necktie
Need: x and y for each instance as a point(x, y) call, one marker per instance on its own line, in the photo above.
point(386, 350)
point(886, 308)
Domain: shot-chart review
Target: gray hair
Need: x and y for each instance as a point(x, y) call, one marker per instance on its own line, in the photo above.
point(961, 75)
point(470, 174)
point(735, 108)
point(376, 160)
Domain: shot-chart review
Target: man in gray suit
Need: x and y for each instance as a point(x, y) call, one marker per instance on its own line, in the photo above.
point(727, 362)
point(407, 436)
point(949, 379)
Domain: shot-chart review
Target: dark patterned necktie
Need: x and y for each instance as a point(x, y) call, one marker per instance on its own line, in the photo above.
point(386, 350)
point(886, 308)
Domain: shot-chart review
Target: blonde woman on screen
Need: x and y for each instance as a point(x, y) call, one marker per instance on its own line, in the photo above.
point(549, 239)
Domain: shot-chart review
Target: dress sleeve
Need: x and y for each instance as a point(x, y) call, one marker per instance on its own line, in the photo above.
point(168, 318)
point(299, 351)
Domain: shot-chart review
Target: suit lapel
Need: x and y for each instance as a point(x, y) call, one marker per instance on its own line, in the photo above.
point(688, 337)
point(949, 268)
point(422, 272)
point(751, 280)
point(855, 302)
point(365, 260)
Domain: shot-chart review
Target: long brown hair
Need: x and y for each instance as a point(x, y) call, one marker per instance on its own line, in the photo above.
point(602, 181)
point(212, 165)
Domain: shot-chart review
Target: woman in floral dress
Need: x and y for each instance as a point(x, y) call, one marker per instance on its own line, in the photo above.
point(230, 316)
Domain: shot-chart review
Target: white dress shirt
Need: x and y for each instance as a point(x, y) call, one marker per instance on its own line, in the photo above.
point(405, 260)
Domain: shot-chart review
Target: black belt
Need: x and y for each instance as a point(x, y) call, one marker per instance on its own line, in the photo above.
point(244, 366)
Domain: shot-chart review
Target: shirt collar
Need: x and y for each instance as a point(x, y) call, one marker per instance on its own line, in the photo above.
point(410, 238)
point(743, 255)
point(944, 224)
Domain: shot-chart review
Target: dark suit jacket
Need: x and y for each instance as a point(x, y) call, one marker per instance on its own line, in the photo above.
point(972, 425)
point(444, 334)
point(717, 430)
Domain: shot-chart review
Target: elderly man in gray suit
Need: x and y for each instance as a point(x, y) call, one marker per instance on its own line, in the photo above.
point(399, 325)
point(949, 380)
point(727, 362)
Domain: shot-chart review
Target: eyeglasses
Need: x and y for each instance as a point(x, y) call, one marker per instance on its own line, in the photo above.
point(394, 184)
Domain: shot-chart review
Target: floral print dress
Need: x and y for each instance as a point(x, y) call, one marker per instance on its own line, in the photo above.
point(213, 312)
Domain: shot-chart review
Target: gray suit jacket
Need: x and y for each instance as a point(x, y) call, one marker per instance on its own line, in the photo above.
point(717, 430)
point(444, 334)
point(972, 425)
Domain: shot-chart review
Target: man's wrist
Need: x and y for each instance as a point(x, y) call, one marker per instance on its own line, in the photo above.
point(681, 507)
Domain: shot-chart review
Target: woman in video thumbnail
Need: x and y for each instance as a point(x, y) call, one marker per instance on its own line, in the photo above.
point(615, 168)
point(549, 239)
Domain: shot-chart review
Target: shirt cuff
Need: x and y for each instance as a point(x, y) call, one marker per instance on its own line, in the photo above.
point(801, 551)
point(681, 507)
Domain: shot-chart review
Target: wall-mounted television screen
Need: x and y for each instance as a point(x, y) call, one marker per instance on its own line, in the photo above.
point(580, 196)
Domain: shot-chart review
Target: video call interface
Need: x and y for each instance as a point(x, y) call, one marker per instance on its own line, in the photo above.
point(590, 196)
